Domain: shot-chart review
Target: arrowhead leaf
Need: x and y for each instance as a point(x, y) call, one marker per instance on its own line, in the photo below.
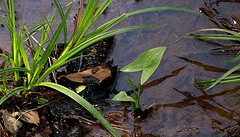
point(147, 62)
point(122, 96)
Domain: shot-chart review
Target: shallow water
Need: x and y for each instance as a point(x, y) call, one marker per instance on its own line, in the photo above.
point(181, 108)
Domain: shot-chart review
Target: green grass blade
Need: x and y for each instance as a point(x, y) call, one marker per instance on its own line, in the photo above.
point(47, 53)
point(60, 10)
point(164, 8)
point(235, 59)
point(95, 15)
point(8, 58)
point(108, 25)
point(44, 27)
point(227, 80)
point(86, 22)
point(82, 102)
point(3, 71)
point(47, 25)
point(13, 37)
point(5, 23)
point(11, 93)
point(101, 9)
point(217, 30)
point(230, 35)
point(87, 43)
point(216, 37)
point(224, 76)
point(136, 91)
point(22, 50)
point(54, 39)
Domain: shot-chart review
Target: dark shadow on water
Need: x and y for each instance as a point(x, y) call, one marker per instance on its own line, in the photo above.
point(159, 80)
point(207, 103)
point(221, 1)
point(206, 67)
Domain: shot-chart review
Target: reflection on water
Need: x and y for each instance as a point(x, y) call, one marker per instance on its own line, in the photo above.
point(209, 106)
point(206, 67)
point(159, 80)
point(181, 108)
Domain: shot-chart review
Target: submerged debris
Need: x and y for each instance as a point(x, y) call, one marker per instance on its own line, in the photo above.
point(224, 21)
point(90, 76)
point(92, 69)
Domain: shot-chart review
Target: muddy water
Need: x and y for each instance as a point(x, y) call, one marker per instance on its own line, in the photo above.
point(181, 109)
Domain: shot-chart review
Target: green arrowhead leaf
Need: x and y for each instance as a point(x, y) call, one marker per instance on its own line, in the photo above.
point(122, 96)
point(147, 62)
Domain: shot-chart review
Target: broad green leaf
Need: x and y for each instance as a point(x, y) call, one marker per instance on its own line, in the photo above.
point(146, 62)
point(122, 96)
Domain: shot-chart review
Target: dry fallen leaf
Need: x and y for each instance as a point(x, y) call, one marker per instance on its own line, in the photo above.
point(98, 73)
point(10, 122)
point(30, 117)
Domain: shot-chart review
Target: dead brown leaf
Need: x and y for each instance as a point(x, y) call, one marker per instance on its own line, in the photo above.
point(99, 72)
point(10, 122)
point(31, 117)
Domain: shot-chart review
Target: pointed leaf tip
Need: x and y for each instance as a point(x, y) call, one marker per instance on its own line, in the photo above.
point(146, 62)
point(122, 96)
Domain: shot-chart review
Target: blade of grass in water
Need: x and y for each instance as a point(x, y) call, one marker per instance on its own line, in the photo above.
point(216, 37)
point(82, 102)
point(49, 49)
point(108, 25)
point(227, 80)
point(86, 43)
point(217, 30)
point(230, 35)
point(60, 9)
point(217, 81)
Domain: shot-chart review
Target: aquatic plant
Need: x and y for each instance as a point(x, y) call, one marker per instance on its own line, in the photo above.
point(147, 62)
point(36, 69)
